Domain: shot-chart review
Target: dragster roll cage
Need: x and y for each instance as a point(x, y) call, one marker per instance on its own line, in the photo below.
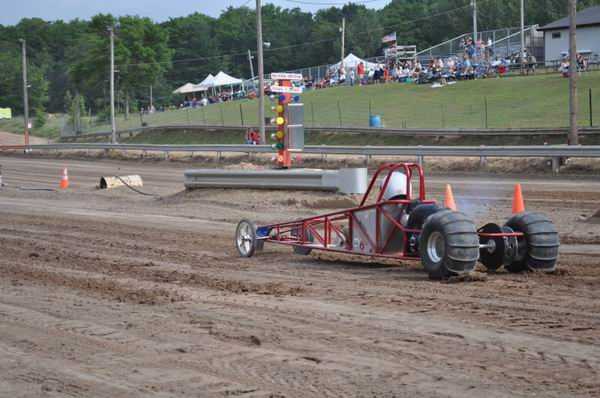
point(318, 232)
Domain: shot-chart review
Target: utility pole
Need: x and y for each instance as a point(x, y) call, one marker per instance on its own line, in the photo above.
point(343, 31)
point(25, 94)
point(113, 124)
point(261, 73)
point(474, 4)
point(250, 58)
point(573, 135)
point(522, 35)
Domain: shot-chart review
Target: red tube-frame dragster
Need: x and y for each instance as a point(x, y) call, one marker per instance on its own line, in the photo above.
point(411, 227)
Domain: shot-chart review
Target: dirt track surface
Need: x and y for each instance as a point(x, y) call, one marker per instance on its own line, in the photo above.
point(115, 294)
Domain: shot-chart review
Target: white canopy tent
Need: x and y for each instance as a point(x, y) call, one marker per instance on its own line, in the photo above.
point(186, 89)
point(207, 82)
point(223, 79)
point(352, 61)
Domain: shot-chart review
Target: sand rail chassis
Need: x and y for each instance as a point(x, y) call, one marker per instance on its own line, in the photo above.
point(412, 227)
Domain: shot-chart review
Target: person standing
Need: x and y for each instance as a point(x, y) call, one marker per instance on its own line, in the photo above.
point(361, 72)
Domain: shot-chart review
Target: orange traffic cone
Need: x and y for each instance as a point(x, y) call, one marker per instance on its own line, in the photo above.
point(64, 181)
point(518, 202)
point(449, 198)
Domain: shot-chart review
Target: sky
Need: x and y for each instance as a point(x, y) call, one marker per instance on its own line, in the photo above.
point(158, 10)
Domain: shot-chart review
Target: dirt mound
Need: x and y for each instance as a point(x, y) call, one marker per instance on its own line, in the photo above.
point(245, 166)
point(594, 218)
point(335, 202)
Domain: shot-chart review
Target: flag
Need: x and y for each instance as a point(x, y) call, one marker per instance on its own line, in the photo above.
point(389, 38)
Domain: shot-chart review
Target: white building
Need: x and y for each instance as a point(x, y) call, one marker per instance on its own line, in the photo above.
point(556, 36)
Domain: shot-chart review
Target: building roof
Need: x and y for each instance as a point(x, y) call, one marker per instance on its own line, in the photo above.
point(585, 17)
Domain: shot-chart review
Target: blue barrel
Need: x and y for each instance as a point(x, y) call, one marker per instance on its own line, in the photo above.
point(374, 121)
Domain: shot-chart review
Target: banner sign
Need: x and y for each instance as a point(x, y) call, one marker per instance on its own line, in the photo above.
point(5, 113)
point(286, 76)
point(282, 89)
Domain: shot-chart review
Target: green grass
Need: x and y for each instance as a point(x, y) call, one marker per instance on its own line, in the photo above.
point(533, 101)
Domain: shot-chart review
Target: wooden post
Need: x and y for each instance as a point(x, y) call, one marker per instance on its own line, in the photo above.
point(590, 106)
point(573, 134)
point(485, 106)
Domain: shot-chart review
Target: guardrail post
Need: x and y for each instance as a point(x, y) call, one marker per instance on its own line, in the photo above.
point(485, 106)
point(421, 160)
point(219, 156)
point(166, 155)
point(590, 105)
point(555, 165)
point(367, 158)
point(443, 115)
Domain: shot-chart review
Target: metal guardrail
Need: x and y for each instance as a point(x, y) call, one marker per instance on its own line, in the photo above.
point(549, 151)
point(409, 132)
point(349, 181)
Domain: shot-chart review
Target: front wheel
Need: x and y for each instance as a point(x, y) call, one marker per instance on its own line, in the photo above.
point(245, 238)
point(448, 244)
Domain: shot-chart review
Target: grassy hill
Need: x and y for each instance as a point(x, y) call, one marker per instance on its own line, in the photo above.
point(534, 101)
point(528, 101)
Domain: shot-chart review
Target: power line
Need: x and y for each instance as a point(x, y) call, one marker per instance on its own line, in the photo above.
point(331, 3)
point(245, 53)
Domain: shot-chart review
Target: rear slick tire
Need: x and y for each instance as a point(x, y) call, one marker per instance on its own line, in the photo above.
point(449, 244)
point(539, 242)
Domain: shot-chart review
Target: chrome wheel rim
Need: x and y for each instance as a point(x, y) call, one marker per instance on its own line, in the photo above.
point(436, 247)
point(245, 238)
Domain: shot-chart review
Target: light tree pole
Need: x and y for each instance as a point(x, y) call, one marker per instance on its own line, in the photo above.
point(261, 73)
point(573, 134)
point(25, 93)
point(522, 35)
point(113, 124)
point(474, 5)
point(343, 32)
point(250, 58)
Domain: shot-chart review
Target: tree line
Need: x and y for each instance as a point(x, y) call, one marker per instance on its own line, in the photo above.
point(68, 62)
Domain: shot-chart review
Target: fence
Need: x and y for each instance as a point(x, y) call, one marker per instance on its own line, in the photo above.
point(505, 43)
point(444, 110)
